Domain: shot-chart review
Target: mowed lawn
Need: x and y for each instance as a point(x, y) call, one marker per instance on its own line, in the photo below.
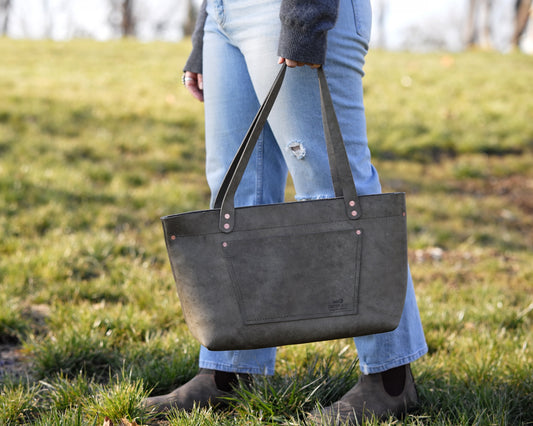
point(98, 140)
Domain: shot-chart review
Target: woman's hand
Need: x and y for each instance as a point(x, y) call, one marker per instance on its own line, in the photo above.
point(194, 84)
point(291, 64)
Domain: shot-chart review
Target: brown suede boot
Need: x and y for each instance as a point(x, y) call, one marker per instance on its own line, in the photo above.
point(207, 388)
point(376, 396)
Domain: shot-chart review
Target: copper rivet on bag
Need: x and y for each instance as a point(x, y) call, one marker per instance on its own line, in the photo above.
point(224, 244)
point(358, 232)
point(173, 237)
point(226, 226)
point(352, 203)
point(403, 213)
point(354, 213)
point(226, 216)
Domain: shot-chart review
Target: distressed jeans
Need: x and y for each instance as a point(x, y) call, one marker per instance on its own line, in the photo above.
point(240, 64)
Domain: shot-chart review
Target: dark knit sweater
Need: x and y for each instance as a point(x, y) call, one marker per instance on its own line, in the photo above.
point(303, 37)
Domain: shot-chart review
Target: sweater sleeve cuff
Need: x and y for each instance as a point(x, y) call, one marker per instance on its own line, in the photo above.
point(194, 62)
point(302, 47)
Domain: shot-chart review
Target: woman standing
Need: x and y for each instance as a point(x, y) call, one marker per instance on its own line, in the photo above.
point(237, 48)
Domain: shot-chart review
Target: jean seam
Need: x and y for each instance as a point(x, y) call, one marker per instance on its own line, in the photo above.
point(358, 22)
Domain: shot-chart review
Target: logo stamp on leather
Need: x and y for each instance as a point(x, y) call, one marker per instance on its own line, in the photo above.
point(336, 305)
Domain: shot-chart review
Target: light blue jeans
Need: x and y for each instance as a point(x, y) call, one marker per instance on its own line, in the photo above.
point(240, 63)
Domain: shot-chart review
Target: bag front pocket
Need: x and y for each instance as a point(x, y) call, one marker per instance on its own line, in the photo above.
point(295, 277)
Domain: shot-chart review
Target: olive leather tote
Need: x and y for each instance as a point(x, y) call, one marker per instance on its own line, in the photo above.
point(297, 272)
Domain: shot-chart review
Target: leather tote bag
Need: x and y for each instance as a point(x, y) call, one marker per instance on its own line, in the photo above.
point(288, 273)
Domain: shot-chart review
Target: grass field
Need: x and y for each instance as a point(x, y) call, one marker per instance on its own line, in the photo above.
point(98, 140)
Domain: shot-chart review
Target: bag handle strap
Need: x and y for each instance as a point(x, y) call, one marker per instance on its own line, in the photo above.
point(338, 158)
point(250, 139)
point(340, 167)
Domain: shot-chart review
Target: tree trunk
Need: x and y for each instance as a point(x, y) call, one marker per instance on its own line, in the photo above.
point(48, 19)
point(128, 20)
point(192, 13)
point(486, 40)
point(5, 6)
point(471, 35)
point(381, 18)
point(479, 28)
point(522, 12)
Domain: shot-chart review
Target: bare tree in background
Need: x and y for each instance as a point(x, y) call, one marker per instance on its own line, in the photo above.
point(522, 13)
point(122, 17)
point(479, 31)
point(48, 19)
point(381, 8)
point(5, 8)
point(190, 20)
point(128, 20)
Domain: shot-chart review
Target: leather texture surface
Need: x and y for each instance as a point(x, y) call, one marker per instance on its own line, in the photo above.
point(279, 274)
